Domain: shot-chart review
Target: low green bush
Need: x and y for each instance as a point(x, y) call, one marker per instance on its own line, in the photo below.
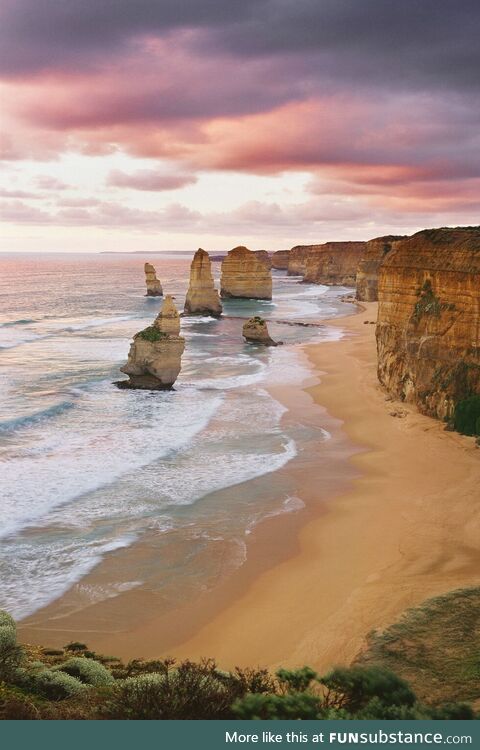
point(52, 685)
point(152, 333)
point(85, 670)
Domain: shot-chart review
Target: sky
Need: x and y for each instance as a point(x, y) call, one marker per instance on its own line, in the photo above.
point(143, 125)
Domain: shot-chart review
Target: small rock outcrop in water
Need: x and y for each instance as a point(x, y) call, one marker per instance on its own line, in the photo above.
point(245, 275)
point(202, 297)
point(155, 356)
point(154, 287)
point(255, 331)
point(333, 263)
point(368, 267)
point(428, 329)
point(280, 260)
point(168, 319)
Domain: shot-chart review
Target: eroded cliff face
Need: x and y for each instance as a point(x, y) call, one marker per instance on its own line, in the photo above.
point(154, 287)
point(428, 329)
point(297, 259)
point(245, 275)
point(202, 297)
point(264, 256)
point(333, 263)
point(374, 254)
point(280, 260)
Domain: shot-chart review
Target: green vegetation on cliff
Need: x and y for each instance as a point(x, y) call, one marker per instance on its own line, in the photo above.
point(75, 683)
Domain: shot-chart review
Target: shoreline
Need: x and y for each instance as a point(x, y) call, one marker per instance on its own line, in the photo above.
point(316, 582)
point(407, 529)
point(108, 626)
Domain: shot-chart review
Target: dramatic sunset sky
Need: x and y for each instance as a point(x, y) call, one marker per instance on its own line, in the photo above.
point(173, 124)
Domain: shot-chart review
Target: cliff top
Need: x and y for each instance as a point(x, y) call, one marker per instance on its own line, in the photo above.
point(447, 248)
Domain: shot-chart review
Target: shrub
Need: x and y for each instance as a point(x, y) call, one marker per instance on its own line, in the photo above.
point(296, 679)
point(466, 419)
point(290, 706)
point(85, 670)
point(191, 691)
point(75, 647)
point(152, 333)
point(52, 685)
point(352, 688)
point(11, 655)
point(15, 705)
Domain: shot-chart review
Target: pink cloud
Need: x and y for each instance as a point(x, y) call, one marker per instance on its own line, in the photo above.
point(151, 180)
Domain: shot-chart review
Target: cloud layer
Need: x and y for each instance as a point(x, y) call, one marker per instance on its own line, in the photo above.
point(378, 101)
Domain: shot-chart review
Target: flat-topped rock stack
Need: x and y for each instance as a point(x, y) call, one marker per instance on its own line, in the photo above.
point(168, 319)
point(245, 276)
point(155, 356)
point(154, 287)
point(202, 297)
point(333, 263)
point(376, 251)
point(255, 331)
point(280, 260)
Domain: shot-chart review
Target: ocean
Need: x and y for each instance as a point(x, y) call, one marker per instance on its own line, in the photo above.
point(87, 469)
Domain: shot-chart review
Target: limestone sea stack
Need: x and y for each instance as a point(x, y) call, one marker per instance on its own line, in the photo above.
point(333, 263)
point(154, 287)
point(168, 319)
point(376, 251)
point(202, 297)
point(255, 331)
point(280, 260)
point(245, 275)
point(154, 360)
point(428, 329)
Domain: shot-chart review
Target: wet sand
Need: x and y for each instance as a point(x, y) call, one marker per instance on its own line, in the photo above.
point(386, 525)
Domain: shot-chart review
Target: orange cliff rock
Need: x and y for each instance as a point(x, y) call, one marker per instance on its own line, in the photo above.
point(245, 275)
point(154, 287)
point(264, 256)
point(333, 263)
point(280, 260)
point(428, 329)
point(202, 297)
point(297, 259)
point(376, 251)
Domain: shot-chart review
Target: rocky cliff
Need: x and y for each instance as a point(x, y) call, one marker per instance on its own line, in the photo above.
point(280, 260)
point(154, 287)
point(245, 275)
point(297, 258)
point(428, 329)
point(168, 319)
point(333, 263)
point(264, 256)
point(373, 256)
point(202, 297)
point(255, 331)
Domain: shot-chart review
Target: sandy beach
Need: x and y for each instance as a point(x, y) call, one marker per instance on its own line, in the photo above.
point(408, 528)
point(392, 522)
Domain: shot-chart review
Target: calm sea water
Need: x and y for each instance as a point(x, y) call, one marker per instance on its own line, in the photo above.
point(87, 469)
